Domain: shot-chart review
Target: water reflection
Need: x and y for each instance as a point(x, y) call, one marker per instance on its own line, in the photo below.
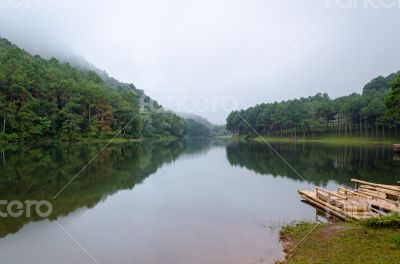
point(41, 172)
point(206, 201)
point(318, 163)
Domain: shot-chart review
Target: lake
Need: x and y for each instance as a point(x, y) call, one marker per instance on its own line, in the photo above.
point(190, 201)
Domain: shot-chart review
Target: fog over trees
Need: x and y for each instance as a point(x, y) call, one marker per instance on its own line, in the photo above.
point(42, 98)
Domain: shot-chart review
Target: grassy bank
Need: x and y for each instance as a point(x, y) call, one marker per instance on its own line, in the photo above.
point(325, 140)
point(341, 243)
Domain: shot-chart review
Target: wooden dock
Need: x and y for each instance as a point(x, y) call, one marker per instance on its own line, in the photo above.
point(365, 201)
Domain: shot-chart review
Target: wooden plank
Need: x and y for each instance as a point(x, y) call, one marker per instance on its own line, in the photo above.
point(382, 190)
point(373, 194)
point(389, 187)
point(395, 188)
point(331, 193)
point(321, 204)
point(324, 208)
point(346, 191)
point(311, 197)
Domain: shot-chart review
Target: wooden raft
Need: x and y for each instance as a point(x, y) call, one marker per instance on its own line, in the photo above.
point(396, 148)
point(367, 200)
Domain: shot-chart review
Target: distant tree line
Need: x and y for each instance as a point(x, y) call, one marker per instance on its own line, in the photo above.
point(374, 113)
point(197, 126)
point(197, 129)
point(47, 99)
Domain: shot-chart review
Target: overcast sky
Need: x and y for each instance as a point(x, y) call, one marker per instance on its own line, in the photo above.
point(210, 56)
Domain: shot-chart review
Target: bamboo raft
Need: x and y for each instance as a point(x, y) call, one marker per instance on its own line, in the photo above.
point(396, 148)
point(365, 201)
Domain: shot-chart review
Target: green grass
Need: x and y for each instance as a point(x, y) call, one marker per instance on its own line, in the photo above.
point(390, 221)
point(329, 140)
point(353, 243)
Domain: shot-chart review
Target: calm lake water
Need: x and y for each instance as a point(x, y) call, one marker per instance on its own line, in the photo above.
point(178, 202)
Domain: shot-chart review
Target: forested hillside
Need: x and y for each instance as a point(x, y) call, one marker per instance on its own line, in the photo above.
point(195, 128)
point(200, 126)
point(48, 99)
point(374, 113)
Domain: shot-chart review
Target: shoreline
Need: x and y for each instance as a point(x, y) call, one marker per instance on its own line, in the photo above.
point(258, 139)
point(319, 139)
point(5, 145)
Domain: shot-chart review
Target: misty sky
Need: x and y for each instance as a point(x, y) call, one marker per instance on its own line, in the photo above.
point(202, 56)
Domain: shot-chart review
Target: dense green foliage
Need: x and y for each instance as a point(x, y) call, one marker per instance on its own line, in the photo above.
point(155, 120)
point(219, 131)
point(196, 129)
point(393, 101)
point(390, 221)
point(353, 115)
point(48, 99)
point(214, 130)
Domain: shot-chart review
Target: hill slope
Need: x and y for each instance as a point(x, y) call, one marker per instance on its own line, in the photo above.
point(47, 99)
point(202, 126)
